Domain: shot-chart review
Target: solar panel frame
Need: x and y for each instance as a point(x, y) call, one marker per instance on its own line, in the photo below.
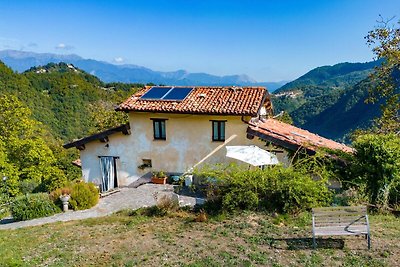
point(156, 93)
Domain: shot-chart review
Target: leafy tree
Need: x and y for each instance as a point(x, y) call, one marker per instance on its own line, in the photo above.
point(377, 165)
point(104, 116)
point(386, 79)
point(24, 154)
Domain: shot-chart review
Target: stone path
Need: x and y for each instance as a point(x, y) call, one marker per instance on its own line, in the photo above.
point(127, 198)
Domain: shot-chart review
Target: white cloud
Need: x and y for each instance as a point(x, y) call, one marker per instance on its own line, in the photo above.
point(63, 46)
point(118, 60)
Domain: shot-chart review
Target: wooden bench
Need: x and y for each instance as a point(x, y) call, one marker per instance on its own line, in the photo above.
point(332, 221)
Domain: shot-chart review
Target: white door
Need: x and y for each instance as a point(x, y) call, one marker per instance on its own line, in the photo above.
point(108, 173)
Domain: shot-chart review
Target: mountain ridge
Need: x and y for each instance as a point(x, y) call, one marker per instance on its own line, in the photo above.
point(329, 100)
point(128, 73)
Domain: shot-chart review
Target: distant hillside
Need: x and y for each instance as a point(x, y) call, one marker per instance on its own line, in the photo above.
point(59, 96)
point(21, 61)
point(348, 113)
point(329, 100)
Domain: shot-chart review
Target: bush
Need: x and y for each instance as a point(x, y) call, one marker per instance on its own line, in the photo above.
point(28, 186)
point(83, 196)
point(276, 189)
point(33, 206)
point(351, 197)
point(377, 167)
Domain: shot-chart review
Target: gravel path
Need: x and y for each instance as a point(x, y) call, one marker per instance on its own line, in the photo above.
point(127, 198)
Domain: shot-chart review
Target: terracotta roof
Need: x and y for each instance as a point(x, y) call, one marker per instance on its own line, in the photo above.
point(293, 137)
point(203, 100)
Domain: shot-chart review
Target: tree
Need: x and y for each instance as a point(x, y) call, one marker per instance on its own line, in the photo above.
point(385, 40)
point(24, 154)
point(104, 116)
point(377, 166)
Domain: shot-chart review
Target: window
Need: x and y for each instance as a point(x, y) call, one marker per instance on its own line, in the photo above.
point(218, 130)
point(159, 129)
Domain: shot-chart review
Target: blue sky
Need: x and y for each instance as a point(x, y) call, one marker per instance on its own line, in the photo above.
point(268, 40)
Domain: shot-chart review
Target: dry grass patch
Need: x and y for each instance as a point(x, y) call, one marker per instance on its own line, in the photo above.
point(248, 239)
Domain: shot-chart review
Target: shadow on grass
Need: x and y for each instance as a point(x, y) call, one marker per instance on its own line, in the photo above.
point(306, 243)
point(6, 220)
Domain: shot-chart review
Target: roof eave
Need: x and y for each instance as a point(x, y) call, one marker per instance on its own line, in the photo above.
point(190, 112)
point(102, 136)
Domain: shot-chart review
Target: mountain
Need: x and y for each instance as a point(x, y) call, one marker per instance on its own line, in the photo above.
point(347, 114)
point(60, 96)
point(329, 100)
point(127, 73)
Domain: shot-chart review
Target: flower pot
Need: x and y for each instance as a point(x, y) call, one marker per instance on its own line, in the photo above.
point(64, 199)
point(159, 180)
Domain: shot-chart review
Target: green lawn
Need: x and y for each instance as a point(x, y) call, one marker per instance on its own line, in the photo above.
point(249, 239)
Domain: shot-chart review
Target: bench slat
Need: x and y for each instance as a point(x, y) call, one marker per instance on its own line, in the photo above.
point(338, 213)
point(355, 220)
point(359, 208)
point(341, 231)
point(338, 224)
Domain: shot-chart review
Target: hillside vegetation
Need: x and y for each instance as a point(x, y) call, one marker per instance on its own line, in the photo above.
point(43, 108)
point(60, 96)
point(329, 100)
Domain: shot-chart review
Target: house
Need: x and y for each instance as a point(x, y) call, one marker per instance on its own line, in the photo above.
point(175, 129)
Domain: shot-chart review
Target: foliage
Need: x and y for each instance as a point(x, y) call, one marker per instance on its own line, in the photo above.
point(165, 205)
point(24, 154)
point(83, 196)
point(377, 165)
point(160, 174)
point(104, 116)
point(385, 40)
point(40, 110)
point(65, 94)
point(284, 117)
point(33, 206)
point(275, 188)
point(351, 197)
point(329, 100)
point(28, 186)
point(55, 195)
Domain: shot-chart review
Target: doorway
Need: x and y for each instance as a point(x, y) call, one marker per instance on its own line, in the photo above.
point(109, 179)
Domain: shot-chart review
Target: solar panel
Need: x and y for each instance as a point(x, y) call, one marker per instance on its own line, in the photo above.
point(156, 93)
point(167, 93)
point(178, 93)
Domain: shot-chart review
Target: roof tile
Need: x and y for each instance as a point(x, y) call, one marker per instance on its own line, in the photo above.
point(203, 100)
point(297, 136)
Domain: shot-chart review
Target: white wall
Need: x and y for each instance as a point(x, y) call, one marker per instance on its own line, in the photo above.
point(189, 142)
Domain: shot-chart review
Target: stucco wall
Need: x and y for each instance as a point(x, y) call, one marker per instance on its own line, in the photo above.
point(188, 142)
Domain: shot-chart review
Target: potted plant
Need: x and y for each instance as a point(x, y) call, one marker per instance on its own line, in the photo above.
point(65, 197)
point(159, 178)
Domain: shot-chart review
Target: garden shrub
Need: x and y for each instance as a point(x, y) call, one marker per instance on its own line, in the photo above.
point(83, 196)
point(275, 188)
point(165, 205)
point(28, 186)
point(377, 167)
point(351, 197)
point(33, 206)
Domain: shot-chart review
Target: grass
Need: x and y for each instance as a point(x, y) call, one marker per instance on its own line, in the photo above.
point(248, 239)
